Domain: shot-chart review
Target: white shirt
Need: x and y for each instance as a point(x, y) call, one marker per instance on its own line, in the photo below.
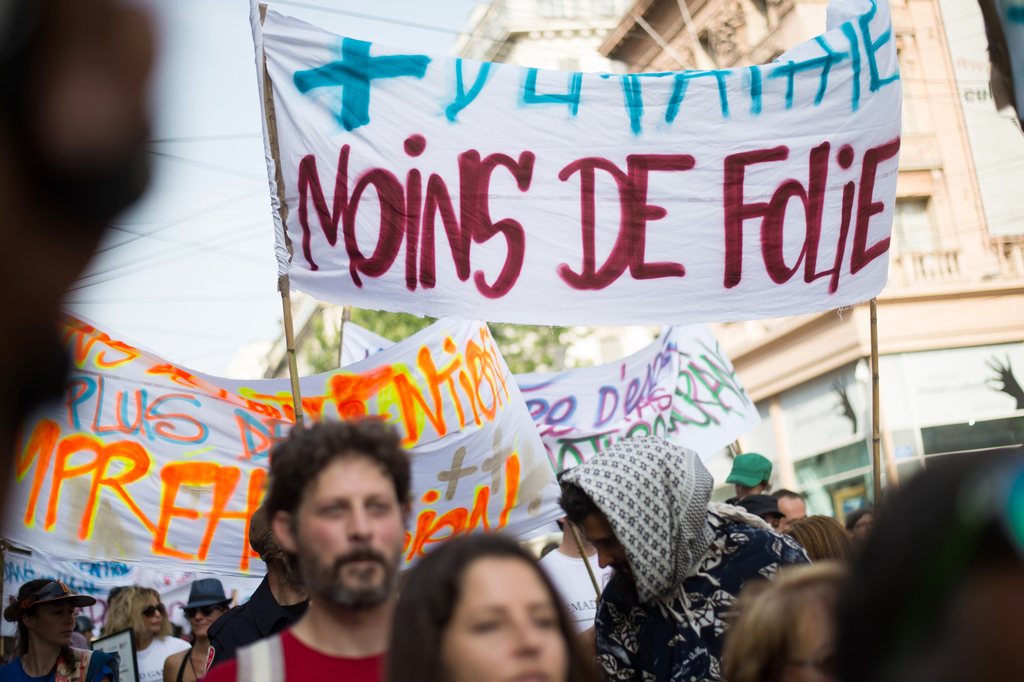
point(151, 659)
point(573, 583)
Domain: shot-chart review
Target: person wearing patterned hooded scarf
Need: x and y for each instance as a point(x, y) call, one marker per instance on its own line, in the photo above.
point(680, 560)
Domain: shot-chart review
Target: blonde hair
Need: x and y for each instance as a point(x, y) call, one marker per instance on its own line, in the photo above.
point(761, 639)
point(126, 612)
point(823, 537)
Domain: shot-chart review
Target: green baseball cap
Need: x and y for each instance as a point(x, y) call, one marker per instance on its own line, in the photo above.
point(749, 469)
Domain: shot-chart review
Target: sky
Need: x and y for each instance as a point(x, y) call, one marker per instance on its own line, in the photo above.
point(202, 282)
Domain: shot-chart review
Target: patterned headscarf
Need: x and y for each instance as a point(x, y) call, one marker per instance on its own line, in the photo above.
point(655, 496)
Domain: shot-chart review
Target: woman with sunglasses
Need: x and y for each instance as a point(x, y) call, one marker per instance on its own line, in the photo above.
point(206, 603)
point(44, 611)
point(139, 609)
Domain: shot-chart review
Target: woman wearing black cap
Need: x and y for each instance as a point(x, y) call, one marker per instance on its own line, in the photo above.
point(45, 614)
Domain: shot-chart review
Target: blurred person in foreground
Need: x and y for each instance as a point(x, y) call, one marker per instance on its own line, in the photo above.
point(44, 612)
point(750, 475)
point(206, 603)
point(824, 538)
point(937, 593)
point(338, 502)
point(565, 568)
point(860, 524)
point(73, 124)
point(280, 600)
point(785, 631)
point(140, 610)
point(480, 610)
point(792, 505)
point(679, 560)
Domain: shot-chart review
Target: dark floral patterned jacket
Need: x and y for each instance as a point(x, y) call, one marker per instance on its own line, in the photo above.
point(679, 639)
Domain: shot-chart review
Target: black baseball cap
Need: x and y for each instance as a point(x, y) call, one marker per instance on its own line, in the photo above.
point(760, 505)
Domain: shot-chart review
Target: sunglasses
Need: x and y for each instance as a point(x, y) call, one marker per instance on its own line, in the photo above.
point(150, 610)
point(49, 592)
point(205, 610)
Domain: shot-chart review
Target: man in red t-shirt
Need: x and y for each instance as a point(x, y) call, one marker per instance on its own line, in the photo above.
point(339, 503)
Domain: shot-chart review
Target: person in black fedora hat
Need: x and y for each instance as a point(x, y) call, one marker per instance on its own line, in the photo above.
point(206, 603)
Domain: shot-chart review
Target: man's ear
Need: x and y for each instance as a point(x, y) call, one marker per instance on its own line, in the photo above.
point(282, 525)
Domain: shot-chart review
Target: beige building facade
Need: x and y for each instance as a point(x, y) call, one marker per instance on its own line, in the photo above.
point(950, 320)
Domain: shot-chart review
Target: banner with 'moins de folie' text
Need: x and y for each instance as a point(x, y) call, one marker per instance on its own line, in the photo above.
point(446, 187)
point(146, 463)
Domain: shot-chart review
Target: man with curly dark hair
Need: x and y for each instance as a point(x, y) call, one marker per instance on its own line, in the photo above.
point(338, 503)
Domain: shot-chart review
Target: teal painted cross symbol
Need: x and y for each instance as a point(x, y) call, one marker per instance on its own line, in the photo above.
point(354, 73)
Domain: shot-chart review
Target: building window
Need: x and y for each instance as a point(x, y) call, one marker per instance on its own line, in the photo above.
point(913, 228)
point(611, 349)
point(707, 43)
point(910, 123)
point(553, 8)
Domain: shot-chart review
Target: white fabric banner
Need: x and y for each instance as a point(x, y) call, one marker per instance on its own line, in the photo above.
point(359, 343)
point(147, 463)
point(444, 187)
point(681, 387)
point(96, 579)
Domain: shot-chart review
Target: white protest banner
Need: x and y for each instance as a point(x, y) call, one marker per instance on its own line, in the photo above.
point(96, 579)
point(359, 343)
point(93, 579)
point(681, 387)
point(440, 186)
point(147, 463)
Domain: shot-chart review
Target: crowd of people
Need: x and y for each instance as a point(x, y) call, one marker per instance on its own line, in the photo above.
point(680, 587)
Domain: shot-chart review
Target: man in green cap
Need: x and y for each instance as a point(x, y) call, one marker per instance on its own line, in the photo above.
point(750, 474)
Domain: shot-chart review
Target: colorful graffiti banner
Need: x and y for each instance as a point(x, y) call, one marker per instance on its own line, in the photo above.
point(681, 387)
point(146, 463)
point(442, 186)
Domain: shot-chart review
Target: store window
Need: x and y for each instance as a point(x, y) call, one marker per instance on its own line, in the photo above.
point(836, 482)
point(973, 435)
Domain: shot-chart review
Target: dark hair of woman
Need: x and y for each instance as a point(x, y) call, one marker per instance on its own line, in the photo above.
point(14, 612)
point(429, 598)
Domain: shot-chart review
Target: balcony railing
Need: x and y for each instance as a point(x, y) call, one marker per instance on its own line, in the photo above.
point(932, 266)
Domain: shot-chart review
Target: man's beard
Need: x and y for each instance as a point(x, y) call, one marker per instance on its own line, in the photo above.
point(328, 581)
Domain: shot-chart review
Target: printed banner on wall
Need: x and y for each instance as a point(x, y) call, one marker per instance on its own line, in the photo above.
point(146, 463)
point(96, 579)
point(681, 387)
point(441, 186)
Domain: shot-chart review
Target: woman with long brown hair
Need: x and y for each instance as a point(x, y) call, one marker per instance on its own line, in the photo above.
point(480, 610)
point(44, 612)
point(140, 610)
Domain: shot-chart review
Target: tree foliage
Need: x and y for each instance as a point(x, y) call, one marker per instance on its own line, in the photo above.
point(527, 348)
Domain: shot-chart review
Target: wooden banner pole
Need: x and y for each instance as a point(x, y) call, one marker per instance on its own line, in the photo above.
point(346, 316)
point(289, 339)
point(283, 284)
point(583, 554)
point(876, 427)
